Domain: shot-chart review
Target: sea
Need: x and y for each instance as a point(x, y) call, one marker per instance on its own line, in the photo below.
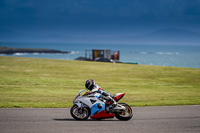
point(158, 55)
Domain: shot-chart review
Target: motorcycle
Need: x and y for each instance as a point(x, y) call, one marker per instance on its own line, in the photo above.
point(95, 107)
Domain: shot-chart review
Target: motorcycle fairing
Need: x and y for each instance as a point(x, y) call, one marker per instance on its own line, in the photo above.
point(118, 96)
point(78, 95)
point(97, 95)
point(102, 114)
point(95, 109)
point(85, 100)
point(96, 112)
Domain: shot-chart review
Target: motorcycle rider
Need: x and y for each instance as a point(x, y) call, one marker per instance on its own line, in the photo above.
point(94, 88)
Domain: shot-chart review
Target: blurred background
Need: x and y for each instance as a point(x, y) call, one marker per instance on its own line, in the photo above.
point(157, 32)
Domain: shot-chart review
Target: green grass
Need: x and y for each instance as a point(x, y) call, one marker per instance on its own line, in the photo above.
point(31, 82)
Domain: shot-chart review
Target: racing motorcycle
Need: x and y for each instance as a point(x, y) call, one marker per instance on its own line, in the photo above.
point(95, 107)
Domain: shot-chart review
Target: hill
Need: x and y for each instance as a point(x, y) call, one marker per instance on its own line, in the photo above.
point(161, 36)
point(165, 36)
point(32, 82)
point(172, 36)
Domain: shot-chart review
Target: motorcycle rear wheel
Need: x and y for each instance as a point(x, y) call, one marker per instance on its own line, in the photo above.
point(124, 116)
point(80, 114)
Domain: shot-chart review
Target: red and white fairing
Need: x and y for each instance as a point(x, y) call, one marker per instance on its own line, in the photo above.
point(118, 96)
point(96, 113)
point(103, 114)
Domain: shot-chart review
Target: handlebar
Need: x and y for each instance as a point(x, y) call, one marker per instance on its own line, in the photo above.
point(88, 93)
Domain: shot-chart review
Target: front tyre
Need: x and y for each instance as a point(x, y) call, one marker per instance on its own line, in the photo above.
point(124, 116)
point(80, 114)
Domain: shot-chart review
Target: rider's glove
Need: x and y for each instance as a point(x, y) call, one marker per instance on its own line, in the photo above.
point(87, 93)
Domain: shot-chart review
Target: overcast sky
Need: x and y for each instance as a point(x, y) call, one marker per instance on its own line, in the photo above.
point(98, 17)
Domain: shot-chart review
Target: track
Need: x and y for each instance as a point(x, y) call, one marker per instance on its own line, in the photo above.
point(173, 119)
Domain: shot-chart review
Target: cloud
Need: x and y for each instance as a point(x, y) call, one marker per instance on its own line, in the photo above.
point(75, 9)
point(98, 16)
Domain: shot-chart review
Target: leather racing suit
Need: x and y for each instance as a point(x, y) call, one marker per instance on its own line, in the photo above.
point(110, 102)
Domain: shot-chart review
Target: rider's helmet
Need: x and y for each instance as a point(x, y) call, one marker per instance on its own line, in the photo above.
point(89, 84)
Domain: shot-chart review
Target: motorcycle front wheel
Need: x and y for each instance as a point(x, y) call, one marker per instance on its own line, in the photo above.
point(80, 114)
point(124, 116)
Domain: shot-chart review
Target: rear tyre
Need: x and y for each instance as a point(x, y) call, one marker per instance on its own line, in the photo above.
point(80, 114)
point(124, 116)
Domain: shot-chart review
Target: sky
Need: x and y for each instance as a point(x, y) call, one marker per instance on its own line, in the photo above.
point(101, 21)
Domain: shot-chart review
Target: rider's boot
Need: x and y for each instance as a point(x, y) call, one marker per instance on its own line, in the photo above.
point(107, 108)
point(113, 104)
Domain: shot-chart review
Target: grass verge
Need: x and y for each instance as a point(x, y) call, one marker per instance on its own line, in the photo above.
point(41, 83)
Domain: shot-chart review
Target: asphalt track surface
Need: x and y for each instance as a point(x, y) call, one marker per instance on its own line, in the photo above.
point(165, 119)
